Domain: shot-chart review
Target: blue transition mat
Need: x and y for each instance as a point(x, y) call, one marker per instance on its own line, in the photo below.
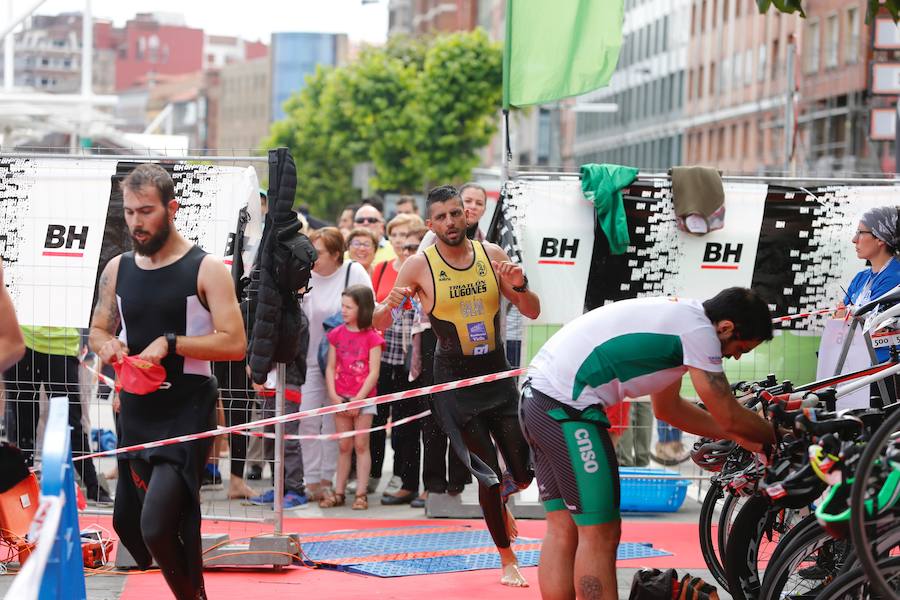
point(426, 550)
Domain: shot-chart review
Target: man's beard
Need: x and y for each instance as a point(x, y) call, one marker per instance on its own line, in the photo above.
point(154, 243)
point(461, 237)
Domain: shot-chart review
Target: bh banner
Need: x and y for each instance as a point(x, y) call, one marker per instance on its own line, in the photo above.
point(554, 225)
point(61, 220)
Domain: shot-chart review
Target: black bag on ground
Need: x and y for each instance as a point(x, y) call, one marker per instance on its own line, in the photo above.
point(653, 584)
point(13, 467)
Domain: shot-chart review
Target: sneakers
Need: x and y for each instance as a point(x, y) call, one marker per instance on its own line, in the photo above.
point(264, 499)
point(211, 476)
point(99, 497)
point(294, 500)
point(393, 485)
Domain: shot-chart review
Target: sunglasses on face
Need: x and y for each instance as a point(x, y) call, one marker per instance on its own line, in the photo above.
point(409, 247)
point(359, 245)
point(361, 220)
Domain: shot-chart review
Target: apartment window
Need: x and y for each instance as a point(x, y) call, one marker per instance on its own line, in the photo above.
point(762, 67)
point(703, 17)
point(748, 66)
point(737, 8)
point(738, 65)
point(745, 140)
point(724, 75)
point(712, 79)
point(721, 143)
point(725, 11)
point(832, 40)
point(774, 61)
point(700, 82)
point(851, 52)
point(812, 47)
point(733, 142)
point(690, 90)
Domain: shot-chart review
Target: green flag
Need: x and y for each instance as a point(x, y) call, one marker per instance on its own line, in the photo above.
point(558, 49)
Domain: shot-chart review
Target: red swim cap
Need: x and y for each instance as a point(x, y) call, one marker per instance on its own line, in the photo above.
point(138, 376)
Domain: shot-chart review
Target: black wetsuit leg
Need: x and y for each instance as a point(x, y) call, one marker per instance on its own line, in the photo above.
point(169, 525)
point(477, 435)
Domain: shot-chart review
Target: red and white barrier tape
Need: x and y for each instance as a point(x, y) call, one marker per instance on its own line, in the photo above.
point(822, 311)
point(340, 435)
point(316, 412)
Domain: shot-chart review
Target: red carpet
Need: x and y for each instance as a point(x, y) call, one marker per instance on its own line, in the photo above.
point(224, 584)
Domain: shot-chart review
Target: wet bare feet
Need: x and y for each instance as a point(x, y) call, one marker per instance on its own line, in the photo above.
point(512, 576)
point(238, 489)
point(512, 528)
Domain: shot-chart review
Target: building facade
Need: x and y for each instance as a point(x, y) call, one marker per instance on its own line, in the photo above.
point(296, 55)
point(48, 55)
point(153, 43)
point(646, 92)
point(835, 101)
point(244, 105)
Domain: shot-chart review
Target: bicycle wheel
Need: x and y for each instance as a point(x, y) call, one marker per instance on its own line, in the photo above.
point(730, 509)
point(714, 499)
point(751, 541)
point(805, 524)
point(808, 559)
point(861, 522)
point(856, 584)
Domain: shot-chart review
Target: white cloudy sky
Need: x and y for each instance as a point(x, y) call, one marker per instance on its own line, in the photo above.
point(254, 19)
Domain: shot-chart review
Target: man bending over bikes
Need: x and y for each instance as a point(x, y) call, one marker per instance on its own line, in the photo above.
point(630, 349)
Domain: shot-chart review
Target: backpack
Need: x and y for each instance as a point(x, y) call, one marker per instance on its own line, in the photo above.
point(653, 584)
point(328, 324)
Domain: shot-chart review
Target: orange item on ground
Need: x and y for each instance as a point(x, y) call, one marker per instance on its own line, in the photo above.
point(18, 506)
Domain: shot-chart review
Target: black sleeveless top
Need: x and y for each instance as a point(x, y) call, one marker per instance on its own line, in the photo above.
point(153, 302)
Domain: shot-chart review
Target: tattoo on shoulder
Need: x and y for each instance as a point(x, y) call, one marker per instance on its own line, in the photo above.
point(107, 308)
point(718, 381)
point(591, 588)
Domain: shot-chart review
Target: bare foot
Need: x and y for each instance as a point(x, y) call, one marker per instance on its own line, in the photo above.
point(512, 576)
point(512, 528)
point(238, 489)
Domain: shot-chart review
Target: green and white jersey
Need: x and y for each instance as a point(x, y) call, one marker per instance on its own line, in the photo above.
point(627, 349)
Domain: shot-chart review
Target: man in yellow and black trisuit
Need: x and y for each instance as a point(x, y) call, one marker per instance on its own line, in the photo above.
point(459, 282)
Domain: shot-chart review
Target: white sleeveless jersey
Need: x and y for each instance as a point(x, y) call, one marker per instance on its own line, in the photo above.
point(628, 349)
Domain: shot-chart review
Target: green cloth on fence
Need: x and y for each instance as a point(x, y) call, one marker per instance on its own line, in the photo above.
point(602, 184)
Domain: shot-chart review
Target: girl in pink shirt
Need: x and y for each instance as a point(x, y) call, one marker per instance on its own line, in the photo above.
point(354, 359)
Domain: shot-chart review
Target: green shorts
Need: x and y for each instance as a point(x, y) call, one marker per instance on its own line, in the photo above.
point(574, 459)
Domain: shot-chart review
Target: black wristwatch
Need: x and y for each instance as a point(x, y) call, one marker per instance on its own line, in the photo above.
point(171, 339)
point(522, 288)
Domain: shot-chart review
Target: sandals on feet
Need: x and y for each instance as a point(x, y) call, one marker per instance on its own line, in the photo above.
point(330, 499)
point(361, 502)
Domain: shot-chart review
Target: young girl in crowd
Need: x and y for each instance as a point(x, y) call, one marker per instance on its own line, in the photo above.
point(354, 359)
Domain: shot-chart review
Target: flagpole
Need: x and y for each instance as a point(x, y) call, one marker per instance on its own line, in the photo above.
point(504, 135)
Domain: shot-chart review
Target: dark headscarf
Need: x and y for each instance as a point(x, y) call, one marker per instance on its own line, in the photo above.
point(884, 222)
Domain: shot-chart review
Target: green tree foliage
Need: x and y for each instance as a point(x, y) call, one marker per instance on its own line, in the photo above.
point(419, 110)
point(795, 6)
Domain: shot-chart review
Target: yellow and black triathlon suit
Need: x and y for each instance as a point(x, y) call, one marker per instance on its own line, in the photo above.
point(466, 321)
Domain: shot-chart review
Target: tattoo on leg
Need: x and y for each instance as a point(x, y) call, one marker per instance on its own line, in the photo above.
point(591, 588)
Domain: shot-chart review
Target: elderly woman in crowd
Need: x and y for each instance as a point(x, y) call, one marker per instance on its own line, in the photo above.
point(361, 246)
point(330, 277)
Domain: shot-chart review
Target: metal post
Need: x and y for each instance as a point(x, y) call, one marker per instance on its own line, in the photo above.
point(897, 138)
point(9, 48)
point(279, 448)
point(504, 139)
point(789, 106)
